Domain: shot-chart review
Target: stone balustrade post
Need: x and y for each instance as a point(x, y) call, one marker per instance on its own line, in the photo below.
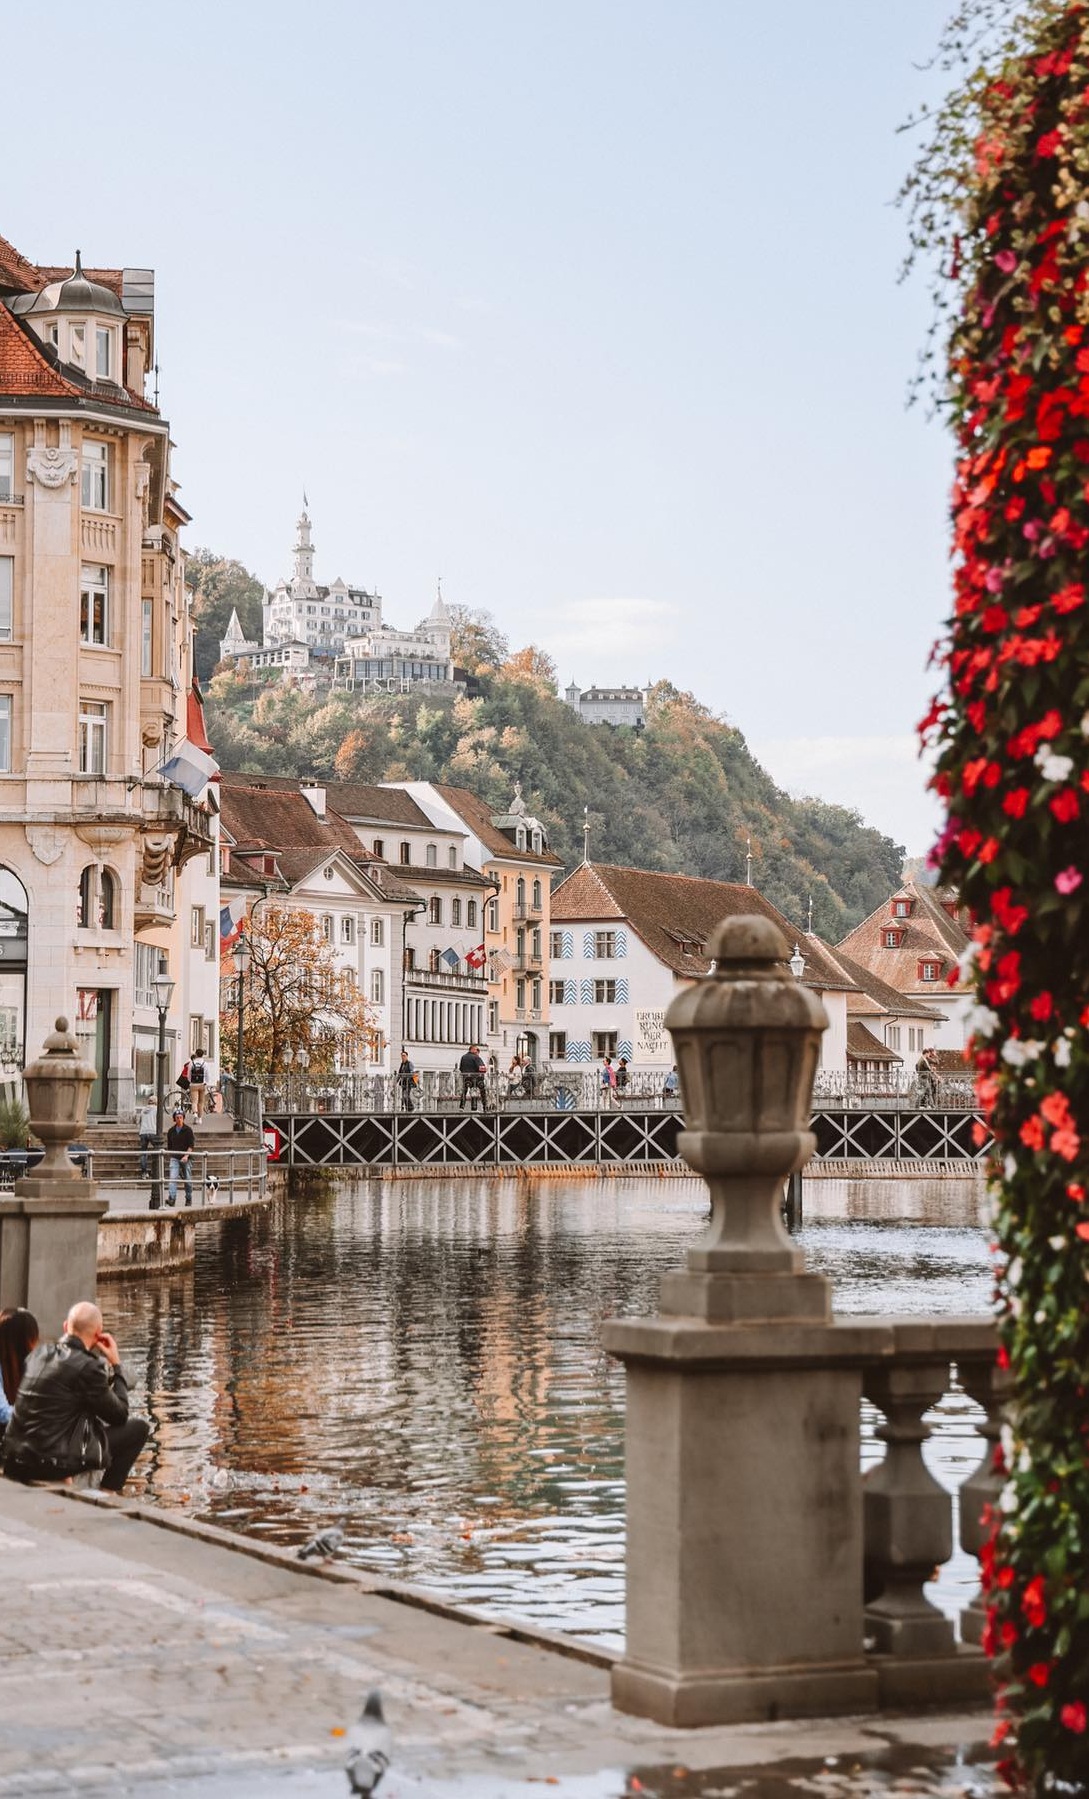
point(744, 1515)
point(49, 1223)
point(988, 1385)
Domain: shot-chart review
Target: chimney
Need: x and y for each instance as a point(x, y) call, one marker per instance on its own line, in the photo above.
point(315, 799)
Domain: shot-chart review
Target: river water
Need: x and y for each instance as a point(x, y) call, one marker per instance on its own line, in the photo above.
point(422, 1359)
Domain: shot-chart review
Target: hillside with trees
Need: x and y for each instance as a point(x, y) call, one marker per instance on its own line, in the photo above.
point(684, 795)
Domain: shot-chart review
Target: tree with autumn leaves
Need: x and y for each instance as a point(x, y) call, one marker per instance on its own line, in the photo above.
point(297, 997)
point(1000, 197)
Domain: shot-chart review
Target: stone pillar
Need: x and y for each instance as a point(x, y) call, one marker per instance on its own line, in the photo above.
point(49, 1225)
point(744, 1567)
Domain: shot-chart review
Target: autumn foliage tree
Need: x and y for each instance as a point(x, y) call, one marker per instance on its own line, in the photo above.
point(297, 997)
point(1001, 198)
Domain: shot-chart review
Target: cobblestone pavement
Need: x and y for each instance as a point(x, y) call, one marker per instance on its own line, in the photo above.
point(137, 1659)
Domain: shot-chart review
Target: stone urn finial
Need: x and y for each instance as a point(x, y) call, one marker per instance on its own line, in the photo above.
point(58, 1088)
point(747, 1039)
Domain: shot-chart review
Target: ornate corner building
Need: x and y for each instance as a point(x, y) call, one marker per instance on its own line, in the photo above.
point(95, 677)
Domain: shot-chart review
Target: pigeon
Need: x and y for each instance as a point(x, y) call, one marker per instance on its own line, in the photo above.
point(324, 1546)
point(369, 1744)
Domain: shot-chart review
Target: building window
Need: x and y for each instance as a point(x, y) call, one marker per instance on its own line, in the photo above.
point(470, 915)
point(347, 928)
point(455, 911)
point(605, 945)
point(535, 943)
point(327, 927)
point(604, 993)
point(555, 946)
point(5, 733)
point(103, 353)
point(97, 906)
point(7, 592)
point(892, 1036)
point(209, 942)
point(77, 346)
point(146, 615)
point(94, 604)
point(406, 852)
point(535, 995)
point(603, 1044)
point(378, 986)
point(94, 476)
point(434, 962)
point(196, 927)
point(493, 915)
point(930, 971)
point(557, 1046)
point(555, 993)
point(431, 856)
point(538, 843)
point(145, 968)
point(379, 847)
point(536, 896)
point(892, 939)
point(452, 856)
point(434, 910)
point(378, 932)
point(93, 725)
point(520, 892)
point(520, 995)
point(7, 465)
point(493, 1017)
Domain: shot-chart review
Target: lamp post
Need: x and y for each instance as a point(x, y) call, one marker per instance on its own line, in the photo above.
point(287, 1058)
point(163, 988)
point(241, 964)
point(796, 964)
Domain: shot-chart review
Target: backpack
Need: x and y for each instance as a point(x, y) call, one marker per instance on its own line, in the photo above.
point(196, 1073)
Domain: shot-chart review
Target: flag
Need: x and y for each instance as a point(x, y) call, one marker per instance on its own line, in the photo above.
point(230, 928)
point(501, 960)
point(189, 768)
point(476, 958)
point(451, 957)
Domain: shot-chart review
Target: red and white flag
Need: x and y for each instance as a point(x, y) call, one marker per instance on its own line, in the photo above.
point(476, 958)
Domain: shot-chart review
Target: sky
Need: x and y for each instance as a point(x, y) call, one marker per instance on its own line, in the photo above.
point(590, 309)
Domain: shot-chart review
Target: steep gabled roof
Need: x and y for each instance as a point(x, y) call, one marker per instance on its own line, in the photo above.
point(929, 930)
point(675, 916)
point(863, 1046)
point(370, 804)
point(474, 813)
point(874, 997)
point(16, 273)
point(278, 819)
point(23, 367)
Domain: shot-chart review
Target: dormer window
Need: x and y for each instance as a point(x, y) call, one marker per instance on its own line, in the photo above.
point(520, 837)
point(893, 938)
point(77, 346)
point(537, 842)
point(930, 968)
point(902, 908)
point(104, 353)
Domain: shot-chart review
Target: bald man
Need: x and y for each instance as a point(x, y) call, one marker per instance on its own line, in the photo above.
point(72, 1411)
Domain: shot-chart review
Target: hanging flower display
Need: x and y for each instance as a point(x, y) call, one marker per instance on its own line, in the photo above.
point(1001, 195)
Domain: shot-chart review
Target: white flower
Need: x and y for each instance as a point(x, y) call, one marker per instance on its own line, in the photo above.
point(1052, 767)
point(1005, 1437)
point(1013, 1272)
point(1061, 1050)
point(1007, 1499)
point(1085, 724)
point(1024, 1462)
point(967, 958)
point(1057, 1242)
point(1016, 1051)
point(1009, 1167)
point(981, 1021)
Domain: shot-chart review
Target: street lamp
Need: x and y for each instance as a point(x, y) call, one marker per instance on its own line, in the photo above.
point(287, 1058)
point(241, 963)
point(796, 964)
point(163, 988)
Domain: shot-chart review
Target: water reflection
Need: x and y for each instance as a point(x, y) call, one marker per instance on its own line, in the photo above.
point(426, 1356)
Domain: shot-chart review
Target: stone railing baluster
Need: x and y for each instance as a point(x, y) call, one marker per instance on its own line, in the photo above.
point(906, 1515)
point(987, 1384)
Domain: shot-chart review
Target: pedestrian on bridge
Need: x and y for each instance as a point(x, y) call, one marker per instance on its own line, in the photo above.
point(472, 1070)
point(406, 1081)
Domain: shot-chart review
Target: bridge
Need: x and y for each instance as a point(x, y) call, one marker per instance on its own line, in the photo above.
point(627, 1136)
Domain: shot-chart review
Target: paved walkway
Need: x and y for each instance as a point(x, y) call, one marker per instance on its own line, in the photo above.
point(139, 1659)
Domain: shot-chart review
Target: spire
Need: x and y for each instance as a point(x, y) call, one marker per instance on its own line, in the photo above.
point(77, 273)
point(748, 861)
point(304, 550)
point(586, 836)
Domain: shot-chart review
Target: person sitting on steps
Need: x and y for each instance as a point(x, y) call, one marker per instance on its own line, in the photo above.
point(179, 1145)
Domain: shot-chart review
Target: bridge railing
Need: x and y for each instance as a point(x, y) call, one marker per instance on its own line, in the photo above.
point(546, 1090)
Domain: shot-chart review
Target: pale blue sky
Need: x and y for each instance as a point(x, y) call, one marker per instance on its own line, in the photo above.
point(590, 308)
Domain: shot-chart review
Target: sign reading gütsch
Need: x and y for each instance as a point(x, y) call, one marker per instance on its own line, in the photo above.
point(651, 1037)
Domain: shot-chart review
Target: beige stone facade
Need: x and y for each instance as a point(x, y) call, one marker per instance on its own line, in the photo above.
point(96, 850)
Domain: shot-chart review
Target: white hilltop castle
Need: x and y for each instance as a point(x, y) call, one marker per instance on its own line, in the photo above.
point(342, 625)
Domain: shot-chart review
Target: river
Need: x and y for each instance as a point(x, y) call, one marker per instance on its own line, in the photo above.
point(423, 1360)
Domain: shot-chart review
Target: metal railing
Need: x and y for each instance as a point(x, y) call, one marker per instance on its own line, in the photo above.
point(249, 1096)
point(469, 983)
point(897, 1088)
point(545, 1090)
point(218, 1175)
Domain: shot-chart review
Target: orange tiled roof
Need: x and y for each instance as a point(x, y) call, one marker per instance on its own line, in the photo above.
point(23, 368)
point(474, 813)
point(863, 1046)
point(676, 914)
point(16, 273)
point(928, 932)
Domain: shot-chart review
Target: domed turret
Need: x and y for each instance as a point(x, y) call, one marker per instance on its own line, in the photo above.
point(80, 319)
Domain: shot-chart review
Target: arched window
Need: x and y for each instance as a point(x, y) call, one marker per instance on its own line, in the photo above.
point(470, 915)
point(537, 843)
point(432, 856)
point(97, 906)
point(520, 892)
point(536, 896)
point(434, 911)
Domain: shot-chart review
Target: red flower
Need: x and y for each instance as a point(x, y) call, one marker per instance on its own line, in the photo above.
point(1074, 1717)
point(1016, 802)
point(1039, 1673)
point(1069, 598)
point(1032, 1603)
point(1065, 805)
point(1041, 1007)
point(1056, 1108)
point(1032, 1133)
point(1066, 1143)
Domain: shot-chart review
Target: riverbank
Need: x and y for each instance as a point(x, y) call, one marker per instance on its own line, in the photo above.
point(137, 1655)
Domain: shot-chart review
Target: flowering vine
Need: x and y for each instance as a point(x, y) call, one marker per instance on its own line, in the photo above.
point(1001, 195)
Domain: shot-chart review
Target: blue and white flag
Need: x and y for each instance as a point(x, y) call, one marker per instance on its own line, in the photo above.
point(189, 768)
point(451, 958)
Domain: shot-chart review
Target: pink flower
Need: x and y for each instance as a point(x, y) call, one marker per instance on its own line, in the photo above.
point(1006, 260)
point(1068, 880)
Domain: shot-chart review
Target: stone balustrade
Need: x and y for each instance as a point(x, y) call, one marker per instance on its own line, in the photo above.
point(766, 1576)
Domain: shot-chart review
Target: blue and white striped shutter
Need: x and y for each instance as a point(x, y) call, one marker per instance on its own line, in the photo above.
point(588, 944)
point(587, 992)
point(578, 1052)
point(570, 993)
point(568, 943)
point(622, 996)
point(621, 945)
point(623, 1048)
